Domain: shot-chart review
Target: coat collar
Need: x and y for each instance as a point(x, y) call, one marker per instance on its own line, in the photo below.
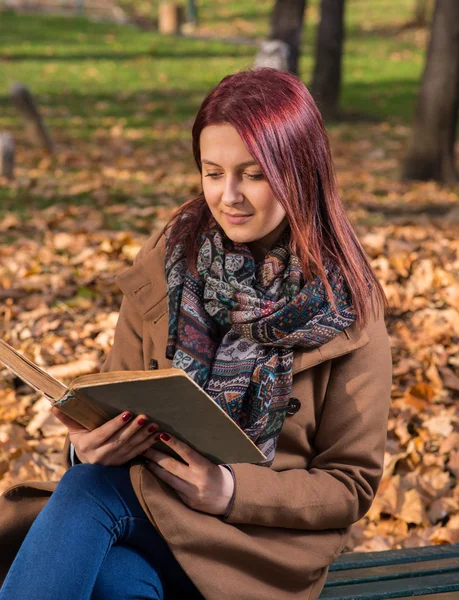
point(144, 284)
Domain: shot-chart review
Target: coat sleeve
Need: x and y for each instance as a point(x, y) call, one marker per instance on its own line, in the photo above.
point(340, 483)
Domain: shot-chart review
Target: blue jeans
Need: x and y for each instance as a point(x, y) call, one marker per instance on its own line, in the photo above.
point(92, 540)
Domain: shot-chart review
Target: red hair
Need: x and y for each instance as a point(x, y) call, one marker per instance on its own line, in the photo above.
point(282, 128)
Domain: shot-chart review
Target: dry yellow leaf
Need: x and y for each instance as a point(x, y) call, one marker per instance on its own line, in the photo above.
point(412, 509)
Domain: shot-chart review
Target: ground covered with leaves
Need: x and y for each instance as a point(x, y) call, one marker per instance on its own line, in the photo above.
point(69, 224)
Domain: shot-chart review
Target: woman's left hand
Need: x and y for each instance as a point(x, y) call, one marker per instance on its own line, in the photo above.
point(201, 484)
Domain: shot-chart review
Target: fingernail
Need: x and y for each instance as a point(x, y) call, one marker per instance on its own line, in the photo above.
point(141, 421)
point(152, 428)
point(156, 437)
point(126, 416)
point(165, 437)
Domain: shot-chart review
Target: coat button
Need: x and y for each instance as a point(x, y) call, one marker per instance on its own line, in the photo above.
point(294, 406)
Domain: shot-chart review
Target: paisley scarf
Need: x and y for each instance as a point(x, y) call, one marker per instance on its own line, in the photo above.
point(266, 309)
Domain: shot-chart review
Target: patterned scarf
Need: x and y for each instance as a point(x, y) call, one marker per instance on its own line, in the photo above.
point(268, 309)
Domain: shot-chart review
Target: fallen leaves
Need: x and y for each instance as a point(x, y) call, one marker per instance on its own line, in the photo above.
point(60, 305)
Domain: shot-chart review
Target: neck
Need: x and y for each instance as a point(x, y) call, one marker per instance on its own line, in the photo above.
point(258, 251)
point(260, 248)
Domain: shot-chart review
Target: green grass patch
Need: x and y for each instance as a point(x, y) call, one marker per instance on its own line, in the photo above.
point(103, 85)
point(95, 70)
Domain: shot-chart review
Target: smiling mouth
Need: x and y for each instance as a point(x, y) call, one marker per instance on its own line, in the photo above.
point(236, 216)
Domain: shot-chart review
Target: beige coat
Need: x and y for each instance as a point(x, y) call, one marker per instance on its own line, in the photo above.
point(289, 522)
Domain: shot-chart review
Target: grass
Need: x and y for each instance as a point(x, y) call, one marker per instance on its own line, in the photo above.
point(100, 84)
point(86, 81)
point(251, 19)
point(99, 61)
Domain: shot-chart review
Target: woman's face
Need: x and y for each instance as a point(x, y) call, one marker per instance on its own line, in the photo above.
point(238, 195)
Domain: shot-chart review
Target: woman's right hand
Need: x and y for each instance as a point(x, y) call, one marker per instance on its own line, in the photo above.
point(114, 443)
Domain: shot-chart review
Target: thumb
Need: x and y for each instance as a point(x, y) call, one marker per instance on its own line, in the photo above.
point(70, 423)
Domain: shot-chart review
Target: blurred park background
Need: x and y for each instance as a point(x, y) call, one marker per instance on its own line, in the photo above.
point(97, 100)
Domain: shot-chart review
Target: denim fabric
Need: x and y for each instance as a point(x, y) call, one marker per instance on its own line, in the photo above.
point(74, 460)
point(93, 541)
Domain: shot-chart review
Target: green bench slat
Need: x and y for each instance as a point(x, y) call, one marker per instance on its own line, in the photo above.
point(356, 560)
point(428, 572)
point(394, 588)
point(397, 571)
point(444, 596)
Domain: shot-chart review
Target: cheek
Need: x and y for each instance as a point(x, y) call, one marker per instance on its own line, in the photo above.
point(212, 205)
point(271, 211)
point(208, 196)
point(211, 191)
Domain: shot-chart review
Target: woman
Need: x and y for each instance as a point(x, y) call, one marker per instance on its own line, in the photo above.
point(260, 291)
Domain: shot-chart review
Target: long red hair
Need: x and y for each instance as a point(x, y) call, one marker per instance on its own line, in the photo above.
point(282, 128)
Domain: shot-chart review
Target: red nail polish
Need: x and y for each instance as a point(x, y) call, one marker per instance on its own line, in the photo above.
point(165, 437)
point(126, 416)
point(152, 428)
point(156, 437)
point(141, 421)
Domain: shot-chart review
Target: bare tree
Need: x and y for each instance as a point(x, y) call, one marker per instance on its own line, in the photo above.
point(286, 27)
point(7, 151)
point(192, 12)
point(326, 81)
point(431, 151)
point(24, 101)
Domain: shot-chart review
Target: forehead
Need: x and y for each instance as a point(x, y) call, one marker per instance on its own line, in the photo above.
point(223, 145)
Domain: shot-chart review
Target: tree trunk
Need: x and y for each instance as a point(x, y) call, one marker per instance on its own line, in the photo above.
point(287, 26)
point(192, 12)
point(7, 151)
point(431, 151)
point(24, 102)
point(326, 82)
point(170, 18)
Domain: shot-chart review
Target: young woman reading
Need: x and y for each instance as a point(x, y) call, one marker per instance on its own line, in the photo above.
point(260, 291)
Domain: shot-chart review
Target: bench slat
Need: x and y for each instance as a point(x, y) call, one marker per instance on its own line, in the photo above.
point(394, 588)
point(385, 572)
point(444, 596)
point(353, 560)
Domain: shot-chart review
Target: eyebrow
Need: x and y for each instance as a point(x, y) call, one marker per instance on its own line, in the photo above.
point(248, 163)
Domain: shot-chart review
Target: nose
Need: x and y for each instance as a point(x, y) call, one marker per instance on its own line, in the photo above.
point(231, 193)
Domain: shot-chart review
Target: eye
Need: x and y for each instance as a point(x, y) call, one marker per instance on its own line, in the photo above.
point(212, 175)
point(256, 176)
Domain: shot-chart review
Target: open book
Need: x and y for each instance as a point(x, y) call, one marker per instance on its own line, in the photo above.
point(169, 397)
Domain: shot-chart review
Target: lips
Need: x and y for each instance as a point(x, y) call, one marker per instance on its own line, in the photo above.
point(236, 219)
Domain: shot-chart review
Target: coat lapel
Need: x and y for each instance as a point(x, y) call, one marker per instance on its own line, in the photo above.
point(144, 284)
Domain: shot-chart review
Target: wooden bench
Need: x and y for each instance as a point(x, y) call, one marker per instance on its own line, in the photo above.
point(428, 573)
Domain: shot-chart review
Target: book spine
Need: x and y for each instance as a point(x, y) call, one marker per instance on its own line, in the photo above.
point(79, 407)
point(31, 373)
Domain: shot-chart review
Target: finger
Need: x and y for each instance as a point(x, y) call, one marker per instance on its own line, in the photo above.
point(121, 456)
point(103, 433)
point(175, 482)
point(190, 456)
point(171, 465)
point(134, 433)
point(153, 454)
point(70, 423)
point(126, 449)
point(148, 453)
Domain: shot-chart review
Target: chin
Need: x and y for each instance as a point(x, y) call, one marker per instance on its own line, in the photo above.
point(239, 237)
